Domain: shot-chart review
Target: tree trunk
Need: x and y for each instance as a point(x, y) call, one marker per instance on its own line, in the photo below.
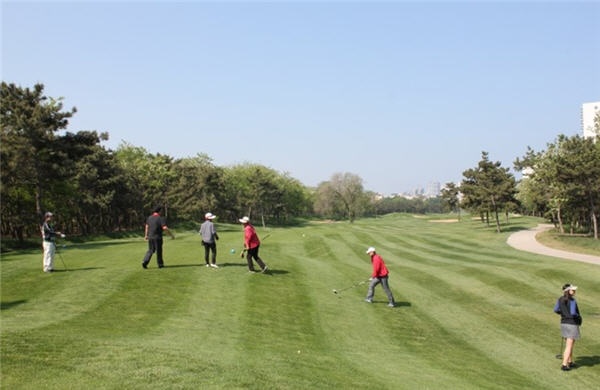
point(561, 228)
point(594, 217)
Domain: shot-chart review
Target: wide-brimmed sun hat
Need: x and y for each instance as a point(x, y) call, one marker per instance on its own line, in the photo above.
point(209, 216)
point(244, 220)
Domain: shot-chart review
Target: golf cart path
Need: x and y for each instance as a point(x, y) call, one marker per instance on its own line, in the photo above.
point(525, 240)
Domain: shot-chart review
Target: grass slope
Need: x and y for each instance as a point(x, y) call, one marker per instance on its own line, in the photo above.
point(473, 313)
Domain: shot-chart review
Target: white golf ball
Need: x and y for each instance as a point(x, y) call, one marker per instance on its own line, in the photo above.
point(298, 351)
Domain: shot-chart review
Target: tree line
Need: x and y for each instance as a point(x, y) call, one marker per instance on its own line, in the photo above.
point(97, 190)
point(561, 183)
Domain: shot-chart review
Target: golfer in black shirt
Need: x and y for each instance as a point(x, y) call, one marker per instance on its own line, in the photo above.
point(154, 235)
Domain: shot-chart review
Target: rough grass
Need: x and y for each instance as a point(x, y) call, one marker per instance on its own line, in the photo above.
point(585, 244)
point(473, 313)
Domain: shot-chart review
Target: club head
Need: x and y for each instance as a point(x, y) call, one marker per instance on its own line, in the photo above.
point(335, 291)
point(559, 356)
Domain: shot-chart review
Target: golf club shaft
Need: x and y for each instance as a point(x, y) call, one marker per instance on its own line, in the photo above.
point(562, 345)
point(61, 258)
point(243, 252)
point(354, 285)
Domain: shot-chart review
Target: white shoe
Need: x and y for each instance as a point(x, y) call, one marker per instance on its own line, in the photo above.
point(208, 265)
point(214, 266)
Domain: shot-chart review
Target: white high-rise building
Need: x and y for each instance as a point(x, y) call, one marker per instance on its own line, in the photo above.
point(588, 113)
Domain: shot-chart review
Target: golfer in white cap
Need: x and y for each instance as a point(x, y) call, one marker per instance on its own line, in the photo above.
point(209, 239)
point(251, 246)
point(379, 275)
point(49, 243)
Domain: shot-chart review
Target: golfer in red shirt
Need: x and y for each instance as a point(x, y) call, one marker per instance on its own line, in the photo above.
point(379, 275)
point(251, 245)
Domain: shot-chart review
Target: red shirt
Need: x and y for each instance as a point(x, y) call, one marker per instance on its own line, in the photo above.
point(379, 268)
point(250, 237)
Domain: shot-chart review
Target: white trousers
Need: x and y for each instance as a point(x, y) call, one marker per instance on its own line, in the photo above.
point(49, 250)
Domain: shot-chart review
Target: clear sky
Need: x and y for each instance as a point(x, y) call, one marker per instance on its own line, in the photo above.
point(399, 93)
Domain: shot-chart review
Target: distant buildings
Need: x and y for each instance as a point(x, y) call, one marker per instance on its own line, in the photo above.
point(588, 113)
point(433, 189)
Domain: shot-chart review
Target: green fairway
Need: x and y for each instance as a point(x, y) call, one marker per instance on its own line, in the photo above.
point(473, 313)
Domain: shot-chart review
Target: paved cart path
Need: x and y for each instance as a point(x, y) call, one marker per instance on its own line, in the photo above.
point(525, 240)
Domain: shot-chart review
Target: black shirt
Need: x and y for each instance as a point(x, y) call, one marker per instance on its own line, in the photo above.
point(155, 226)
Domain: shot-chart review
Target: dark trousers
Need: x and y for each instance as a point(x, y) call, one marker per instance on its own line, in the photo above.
point(210, 247)
point(155, 245)
point(253, 254)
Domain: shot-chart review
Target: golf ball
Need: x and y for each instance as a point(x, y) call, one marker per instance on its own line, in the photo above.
point(298, 351)
point(232, 250)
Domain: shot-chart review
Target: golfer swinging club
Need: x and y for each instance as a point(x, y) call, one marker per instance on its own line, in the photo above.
point(379, 275)
point(49, 243)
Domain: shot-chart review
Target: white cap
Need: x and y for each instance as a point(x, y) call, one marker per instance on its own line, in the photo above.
point(209, 216)
point(569, 287)
point(244, 220)
point(48, 214)
point(371, 249)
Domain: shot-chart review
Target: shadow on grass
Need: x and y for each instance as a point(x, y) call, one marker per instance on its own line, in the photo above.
point(272, 272)
point(176, 265)
point(76, 269)
point(10, 305)
point(93, 245)
point(588, 361)
point(398, 304)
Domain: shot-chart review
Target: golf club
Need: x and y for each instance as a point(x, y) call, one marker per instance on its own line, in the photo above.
point(562, 342)
point(349, 287)
point(243, 252)
point(61, 258)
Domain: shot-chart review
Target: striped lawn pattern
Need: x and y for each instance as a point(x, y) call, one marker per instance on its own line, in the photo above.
point(472, 313)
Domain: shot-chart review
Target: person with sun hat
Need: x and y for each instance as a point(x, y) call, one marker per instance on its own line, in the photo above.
point(570, 321)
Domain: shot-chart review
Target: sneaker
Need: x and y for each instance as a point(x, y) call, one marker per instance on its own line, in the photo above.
point(207, 265)
point(145, 265)
point(565, 368)
point(369, 300)
point(391, 304)
point(214, 265)
point(264, 269)
point(252, 271)
point(572, 365)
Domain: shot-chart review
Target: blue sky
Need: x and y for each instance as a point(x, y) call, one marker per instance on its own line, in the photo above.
point(399, 93)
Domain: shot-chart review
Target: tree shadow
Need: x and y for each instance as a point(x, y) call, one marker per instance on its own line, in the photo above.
point(10, 305)
point(587, 361)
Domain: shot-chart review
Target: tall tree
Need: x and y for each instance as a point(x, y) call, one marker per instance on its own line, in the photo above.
point(342, 193)
point(198, 187)
point(489, 188)
point(30, 162)
point(450, 197)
